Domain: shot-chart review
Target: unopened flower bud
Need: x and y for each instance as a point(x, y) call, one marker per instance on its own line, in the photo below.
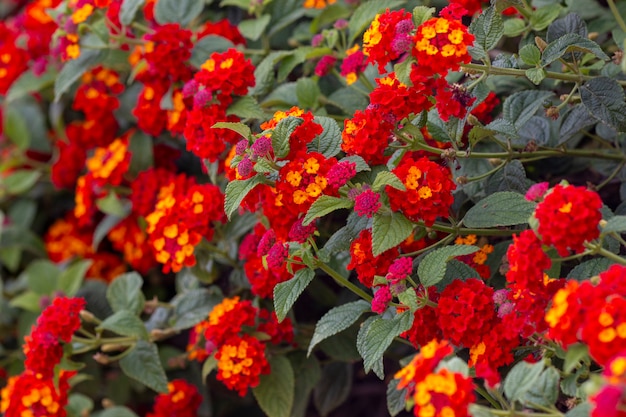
point(462, 180)
point(541, 44)
point(112, 347)
point(88, 317)
point(553, 112)
point(101, 358)
point(341, 24)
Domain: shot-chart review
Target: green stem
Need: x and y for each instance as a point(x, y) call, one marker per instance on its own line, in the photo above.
point(599, 250)
point(441, 242)
point(617, 15)
point(486, 174)
point(483, 392)
point(610, 177)
point(343, 281)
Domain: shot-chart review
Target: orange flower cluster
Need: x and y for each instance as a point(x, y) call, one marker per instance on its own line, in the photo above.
point(592, 314)
point(181, 218)
point(476, 260)
point(363, 261)
point(428, 192)
point(367, 135)
point(32, 395)
point(182, 400)
point(317, 4)
point(227, 334)
point(436, 393)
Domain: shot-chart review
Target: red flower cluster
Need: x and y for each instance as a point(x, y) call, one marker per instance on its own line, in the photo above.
point(366, 135)
point(436, 392)
point(594, 315)
point(166, 51)
point(182, 400)
point(365, 263)
point(240, 363)
point(568, 217)
point(388, 37)
point(527, 263)
point(610, 400)
point(31, 394)
point(428, 192)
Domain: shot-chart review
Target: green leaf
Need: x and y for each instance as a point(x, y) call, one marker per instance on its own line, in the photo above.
point(111, 204)
point(282, 134)
point(124, 293)
point(72, 278)
point(384, 178)
point(340, 240)
point(208, 366)
point(476, 410)
point(246, 108)
point(128, 10)
point(74, 69)
point(388, 231)
point(286, 293)
point(615, 224)
point(604, 98)
point(206, 46)
point(570, 42)
point(337, 319)
point(409, 299)
point(432, 268)
point(20, 181)
point(308, 92)
point(329, 14)
point(42, 276)
point(519, 107)
point(240, 128)
point(521, 379)
point(28, 300)
point(574, 122)
point(79, 404)
point(28, 83)
point(143, 364)
point(570, 23)
point(581, 410)
point(379, 336)
point(16, 128)
point(535, 75)
point(361, 165)
point(530, 54)
point(422, 14)
point(487, 28)
point(396, 398)
point(140, 147)
point(323, 205)
point(125, 323)
point(454, 364)
point(589, 268)
point(543, 16)
point(177, 11)
point(514, 27)
point(253, 28)
point(328, 143)
point(499, 209)
point(456, 269)
point(511, 178)
point(192, 307)
point(116, 411)
point(365, 14)
point(275, 391)
point(103, 228)
point(237, 190)
point(544, 391)
point(334, 387)
point(575, 353)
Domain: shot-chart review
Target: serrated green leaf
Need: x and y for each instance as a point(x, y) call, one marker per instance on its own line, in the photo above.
point(615, 224)
point(589, 268)
point(328, 143)
point(535, 75)
point(476, 410)
point(511, 178)
point(499, 209)
point(514, 27)
point(581, 410)
point(240, 128)
point(323, 205)
point(604, 98)
point(422, 14)
point(192, 307)
point(116, 411)
point(41, 276)
point(574, 122)
point(253, 28)
point(125, 323)
point(519, 107)
point(72, 278)
point(570, 42)
point(487, 28)
point(396, 398)
point(128, 10)
point(275, 391)
point(334, 387)
point(15, 127)
point(543, 16)
point(409, 299)
point(530, 54)
point(570, 23)
point(432, 268)
point(143, 364)
point(360, 163)
point(544, 391)
point(74, 69)
point(454, 364)
point(282, 134)
point(236, 191)
point(521, 379)
point(456, 270)
point(307, 92)
point(337, 319)
point(246, 108)
point(124, 293)
point(28, 83)
point(177, 11)
point(28, 301)
point(384, 178)
point(287, 293)
point(380, 335)
point(363, 16)
point(389, 230)
point(575, 353)
point(79, 404)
